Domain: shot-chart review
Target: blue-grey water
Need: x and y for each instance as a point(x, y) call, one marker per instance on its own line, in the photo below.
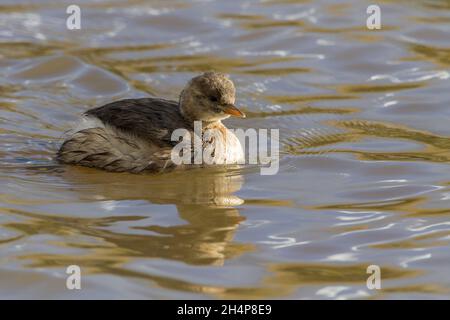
point(364, 176)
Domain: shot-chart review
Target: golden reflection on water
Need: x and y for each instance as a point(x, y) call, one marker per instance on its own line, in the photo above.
point(303, 274)
point(435, 148)
point(440, 56)
point(363, 119)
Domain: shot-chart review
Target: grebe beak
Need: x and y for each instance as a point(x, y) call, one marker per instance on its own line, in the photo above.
point(233, 111)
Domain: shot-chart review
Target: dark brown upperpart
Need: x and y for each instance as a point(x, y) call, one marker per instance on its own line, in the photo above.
point(151, 119)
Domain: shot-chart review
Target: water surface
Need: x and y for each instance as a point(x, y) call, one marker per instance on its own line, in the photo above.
point(364, 175)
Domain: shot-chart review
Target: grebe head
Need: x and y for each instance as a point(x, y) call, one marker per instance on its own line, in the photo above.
point(209, 97)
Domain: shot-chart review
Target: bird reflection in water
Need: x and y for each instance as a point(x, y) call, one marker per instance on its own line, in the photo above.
point(204, 199)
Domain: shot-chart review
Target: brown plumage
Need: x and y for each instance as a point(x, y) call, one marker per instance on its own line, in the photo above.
point(134, 135)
